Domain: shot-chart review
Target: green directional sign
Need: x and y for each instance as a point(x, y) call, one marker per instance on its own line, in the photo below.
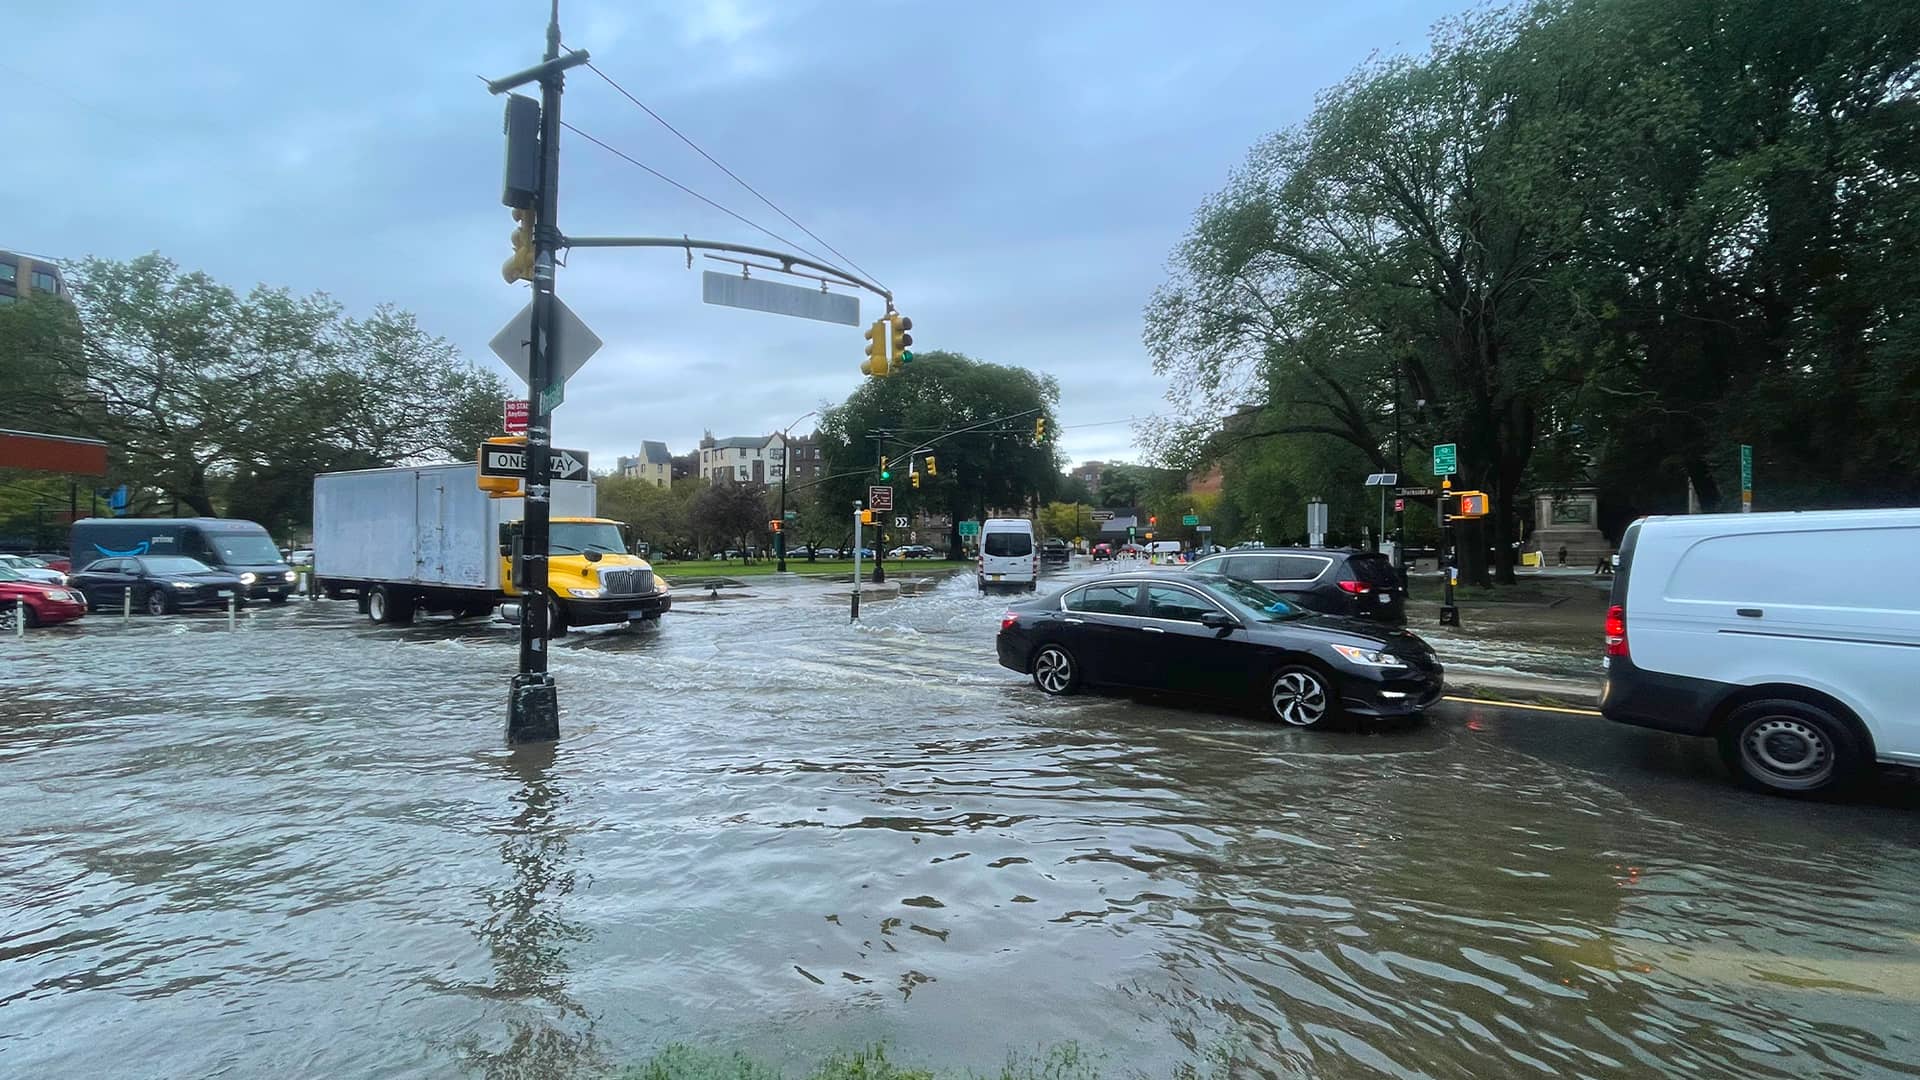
point(1190, 519)
point(1446, 460)
point(969, 528)
point(1746, 477)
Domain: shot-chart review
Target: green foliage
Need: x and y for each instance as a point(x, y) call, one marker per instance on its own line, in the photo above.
point(999, 465)
point(660, 516)
point(209, 397)
point(1601, 239)
point(721, 516)
point(1065, 520)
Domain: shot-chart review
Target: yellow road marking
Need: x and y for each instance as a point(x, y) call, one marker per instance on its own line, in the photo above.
point(1518, 705)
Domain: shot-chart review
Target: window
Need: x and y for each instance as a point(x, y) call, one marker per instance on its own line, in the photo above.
point(45, 282)
point(1169, 602)
point(1009, 545)
point(1103, 599)
point(743, 470)
point(9, 272)
point(1297, 568)
point(107, 566)
point(743, 451)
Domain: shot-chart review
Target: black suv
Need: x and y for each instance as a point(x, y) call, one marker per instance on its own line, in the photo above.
point(1337, 581)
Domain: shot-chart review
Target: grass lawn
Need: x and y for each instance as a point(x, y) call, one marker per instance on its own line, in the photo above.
point(678, 572)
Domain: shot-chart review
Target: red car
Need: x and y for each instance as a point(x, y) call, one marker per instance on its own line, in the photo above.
point(1102, 551)
point(52, 562)
point(46, 604)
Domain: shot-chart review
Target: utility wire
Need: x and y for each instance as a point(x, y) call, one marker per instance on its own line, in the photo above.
point(670, 180)
point(736, 178)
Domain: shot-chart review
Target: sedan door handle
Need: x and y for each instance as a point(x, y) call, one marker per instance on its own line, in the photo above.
point(1075, 622)
point(1747, 612)
point(1153, 629)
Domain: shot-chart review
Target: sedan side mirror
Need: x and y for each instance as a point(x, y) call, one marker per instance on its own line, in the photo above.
point(1218, 620)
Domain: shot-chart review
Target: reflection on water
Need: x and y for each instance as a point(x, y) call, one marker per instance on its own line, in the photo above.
point(299, 850)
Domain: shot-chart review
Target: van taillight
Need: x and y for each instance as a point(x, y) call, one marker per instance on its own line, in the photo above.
point(1355, 587)
point(1616, 631)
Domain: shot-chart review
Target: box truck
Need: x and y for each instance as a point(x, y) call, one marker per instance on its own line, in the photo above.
point(426, 538)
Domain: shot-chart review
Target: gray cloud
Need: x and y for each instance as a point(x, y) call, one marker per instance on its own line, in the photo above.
point(1016, 176)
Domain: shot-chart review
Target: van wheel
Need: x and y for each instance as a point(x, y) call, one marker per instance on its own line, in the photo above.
point(1789, 747)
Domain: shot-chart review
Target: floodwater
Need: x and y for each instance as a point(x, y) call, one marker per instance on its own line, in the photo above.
point(300, 849)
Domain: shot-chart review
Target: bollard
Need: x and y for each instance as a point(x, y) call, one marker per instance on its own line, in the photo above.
point(126, 602)
point(233, 606)
point(19, 618)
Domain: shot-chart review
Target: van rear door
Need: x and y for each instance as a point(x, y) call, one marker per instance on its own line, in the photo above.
point(1006, 555)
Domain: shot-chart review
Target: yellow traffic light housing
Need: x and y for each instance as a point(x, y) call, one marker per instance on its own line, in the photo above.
point(866, 517)
point(876, 362)
point(519, 266)
point(885, 473)
point(500, 487)
point(931, 471)
point(1473, 504)
point(1039, 428)
point(915, 478)
point(899, 342)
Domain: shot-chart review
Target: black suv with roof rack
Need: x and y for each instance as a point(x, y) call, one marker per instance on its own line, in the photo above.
point(1336, 581)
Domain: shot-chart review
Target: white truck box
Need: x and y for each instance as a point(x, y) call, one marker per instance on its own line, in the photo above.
point(423, 525)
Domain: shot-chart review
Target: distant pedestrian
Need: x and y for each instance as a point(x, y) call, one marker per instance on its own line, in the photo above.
point(1563, 554)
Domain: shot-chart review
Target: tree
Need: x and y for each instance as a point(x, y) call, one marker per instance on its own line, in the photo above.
point(729, 515)
point(206, 395)
point(996, 463)
point(659, 516)
point(1066, 520)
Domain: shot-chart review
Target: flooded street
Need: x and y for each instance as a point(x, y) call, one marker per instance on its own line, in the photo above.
point(300, 849)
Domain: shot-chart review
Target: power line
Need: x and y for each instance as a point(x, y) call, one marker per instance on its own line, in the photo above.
point(629, 159)
point(736, 178)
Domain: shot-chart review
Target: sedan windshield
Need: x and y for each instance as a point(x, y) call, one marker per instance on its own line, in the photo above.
point(175, 564)
point(1253, 602)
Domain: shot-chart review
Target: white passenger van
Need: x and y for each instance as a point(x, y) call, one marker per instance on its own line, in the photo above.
point(1009, 559)
point(1793, 639)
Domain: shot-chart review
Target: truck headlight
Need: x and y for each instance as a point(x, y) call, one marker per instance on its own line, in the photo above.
point(588, 594)
point(291, 576)
point(1369, 657)
point(247, 578)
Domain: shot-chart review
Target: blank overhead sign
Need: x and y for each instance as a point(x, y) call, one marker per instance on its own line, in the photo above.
point(758, 294)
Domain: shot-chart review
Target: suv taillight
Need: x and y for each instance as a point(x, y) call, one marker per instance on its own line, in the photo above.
point(1616, 631)
point(1355, 587)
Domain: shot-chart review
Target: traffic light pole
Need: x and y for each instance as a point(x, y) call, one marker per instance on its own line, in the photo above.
point(533, 702)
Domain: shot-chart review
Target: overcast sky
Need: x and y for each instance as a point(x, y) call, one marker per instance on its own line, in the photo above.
point(1016, 173)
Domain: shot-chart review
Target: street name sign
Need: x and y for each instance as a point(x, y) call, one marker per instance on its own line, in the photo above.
point(1746, 478)
point(515, 422)
point(1415, 493)
point(1101, 515)
point(573, 345)
point(880, 498)
point(778, 298)
point(1446, 459)
point(512, 461)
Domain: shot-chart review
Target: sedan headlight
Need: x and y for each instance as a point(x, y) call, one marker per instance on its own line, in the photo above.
point(59, 594)
point(588, 594)
point(247, 578)
point(1369, 657)
point(291, 576)
point(181, 584)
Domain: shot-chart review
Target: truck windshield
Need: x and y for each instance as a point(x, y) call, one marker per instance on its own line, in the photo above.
point(579, 537)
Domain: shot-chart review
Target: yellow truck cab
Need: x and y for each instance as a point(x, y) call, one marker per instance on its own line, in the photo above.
point(591, 579)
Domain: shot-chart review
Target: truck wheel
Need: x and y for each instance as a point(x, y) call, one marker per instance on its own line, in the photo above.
point(386, 605)
point(556, 618)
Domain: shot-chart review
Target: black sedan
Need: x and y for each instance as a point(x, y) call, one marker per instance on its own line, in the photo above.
point(1219, 637)
point(157, 584)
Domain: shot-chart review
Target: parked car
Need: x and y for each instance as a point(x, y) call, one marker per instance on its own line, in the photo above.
point(159, 584)
point(52, 561)
point(1102, 552)
point(300, 557)
point(826, 553)
point(911, 551)
point(1215, 636)
point(1792, 639)
point(1334, 581)
point(45, 604)
point(1009, 558)
point(33, 569)
point(1055, 552)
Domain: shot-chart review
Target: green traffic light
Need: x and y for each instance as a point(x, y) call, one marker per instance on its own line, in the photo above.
point(886, 475)
point(906, 356)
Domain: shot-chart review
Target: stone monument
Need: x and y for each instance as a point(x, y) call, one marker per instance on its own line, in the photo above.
point(1569, 520)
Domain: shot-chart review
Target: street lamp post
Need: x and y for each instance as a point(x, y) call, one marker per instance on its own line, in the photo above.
point(786, 469)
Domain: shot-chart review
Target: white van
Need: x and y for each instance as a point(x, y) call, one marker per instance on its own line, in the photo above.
point(1009, 559)
point(1793, 639)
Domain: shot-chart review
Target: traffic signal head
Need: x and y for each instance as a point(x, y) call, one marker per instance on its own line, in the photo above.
point(774, 525)
point(866, 517)
point(885, 473)
point(900, 342)
point(1153, 519)
point(1039, 428)
point(876, 362)
point(916, 479)
point(519, 266)
point(931, 471)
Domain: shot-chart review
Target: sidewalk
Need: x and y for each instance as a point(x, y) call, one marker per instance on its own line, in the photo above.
point(1538, 640)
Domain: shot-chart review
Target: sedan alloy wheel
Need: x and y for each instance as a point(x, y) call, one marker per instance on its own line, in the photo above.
point(1054, 671)
point(1300, 697)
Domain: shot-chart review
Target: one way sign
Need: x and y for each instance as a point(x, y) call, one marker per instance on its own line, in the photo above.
point(512, 461)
